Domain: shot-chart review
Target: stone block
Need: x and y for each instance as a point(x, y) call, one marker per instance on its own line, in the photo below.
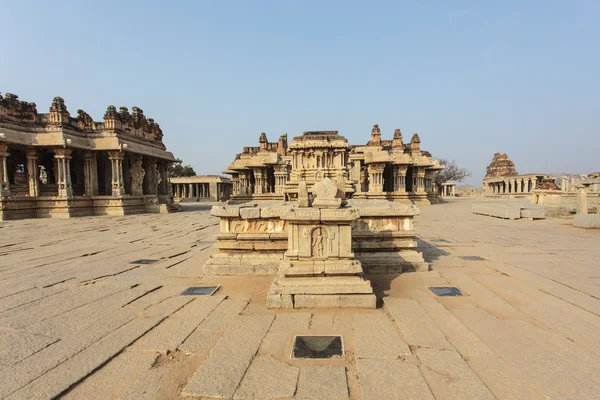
point(498, 210)
point(533, 213)
point(250, 212)
point(225, 211)
point(358, 301)
point(589, 221)
point(316, 301)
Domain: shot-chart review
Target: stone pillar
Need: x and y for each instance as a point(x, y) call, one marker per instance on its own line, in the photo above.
point(137, 174)
point(453, 190)
point(534, 185)
point(63, 169)
point(258, 181)
point(375, 178)
point(116, 159)
point(4, 184)
point(90, 173)
point(564, 184)
point(582, 202)
point(33, 172)
point(162, 176)
point(420, 180)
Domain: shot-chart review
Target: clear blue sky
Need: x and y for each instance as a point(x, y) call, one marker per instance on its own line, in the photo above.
point(472, 77)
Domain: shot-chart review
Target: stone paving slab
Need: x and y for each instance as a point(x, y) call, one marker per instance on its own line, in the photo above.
point(176, 329)
point(529, 333)
point(391, 379)
point(322, 382)
point(59, 379)
point(115, 379)
point(224, 315)
point(502, 380)
point(223, 370)
point(414, 323)
point(268, 378)
point(376, 337)
point(449, 377)
point(16, 346)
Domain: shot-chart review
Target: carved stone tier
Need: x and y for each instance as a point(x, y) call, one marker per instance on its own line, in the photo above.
point(318, 266)
point(253, 237)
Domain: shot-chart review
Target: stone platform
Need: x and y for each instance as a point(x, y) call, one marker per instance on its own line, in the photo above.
point(589, 221)
point(510, 210)
point(80, 320)
point(253, 238)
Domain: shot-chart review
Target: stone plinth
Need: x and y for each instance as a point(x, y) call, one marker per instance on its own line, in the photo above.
point(510, 210)
point(319, 269)
point(383, 238)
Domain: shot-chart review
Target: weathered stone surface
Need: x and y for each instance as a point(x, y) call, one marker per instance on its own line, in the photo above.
point(500, 166)
point(322, 382)
point(303, 200)
point(114, 379)
point(250, 212)
point(416, 326)
point(268, 378)
point(391, 379)
point(285, 322)
point(589, 221)
point(223, 316)
point(449, 377)
point(175, 330)
point(59, 379)
point(223, 370)
point(376, 337)
point(16, 346)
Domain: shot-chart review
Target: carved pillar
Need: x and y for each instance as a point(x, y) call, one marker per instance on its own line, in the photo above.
point(375, 178)
point(163, 178)
point(258, 181)
point(90, 173)
point(4, 185)
point(564, 184)
point(534, 185)
point(401, 176)
point(151, 176)
point(33, 172)
point(116, 159)
point(420, 180)
point(137, 174)
point(281, 178)
point(63, 169)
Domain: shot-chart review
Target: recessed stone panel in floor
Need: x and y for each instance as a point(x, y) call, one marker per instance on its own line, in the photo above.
point(143, 261)
point(200, 291)
point(317, 347)
point(440, 241)
point(446, 291)
point(472, 258)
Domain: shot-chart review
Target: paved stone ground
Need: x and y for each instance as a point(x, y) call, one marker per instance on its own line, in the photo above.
point(79, 319)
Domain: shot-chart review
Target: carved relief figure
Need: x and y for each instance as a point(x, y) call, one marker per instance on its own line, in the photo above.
point(137, 175)
point(318, 242)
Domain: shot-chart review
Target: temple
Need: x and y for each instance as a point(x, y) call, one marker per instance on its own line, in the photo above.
point(502, 179)
point(201, 188)
point(56, 165)
point(380, 169)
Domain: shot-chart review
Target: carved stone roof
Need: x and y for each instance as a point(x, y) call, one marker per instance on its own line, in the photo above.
point(21, 115)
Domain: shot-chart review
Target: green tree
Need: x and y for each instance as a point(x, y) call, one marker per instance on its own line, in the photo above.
point(178, 170)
